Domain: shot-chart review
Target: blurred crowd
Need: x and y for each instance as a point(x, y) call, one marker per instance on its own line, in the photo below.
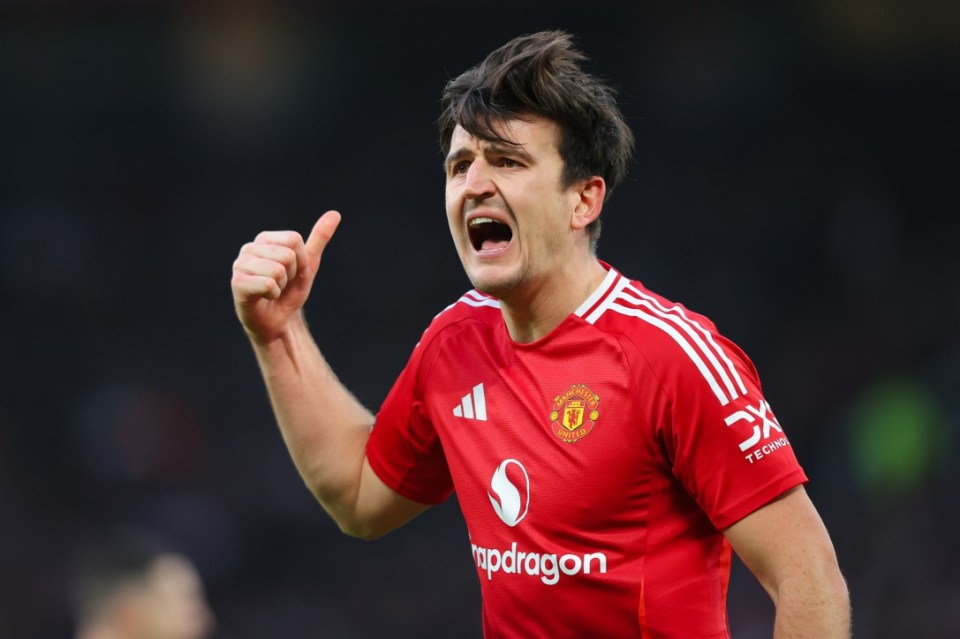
point(795, 180)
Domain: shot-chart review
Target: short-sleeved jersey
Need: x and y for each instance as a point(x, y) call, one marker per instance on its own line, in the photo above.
point(595, 467)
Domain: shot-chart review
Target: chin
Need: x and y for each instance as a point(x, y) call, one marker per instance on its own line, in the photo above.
point(495, 282)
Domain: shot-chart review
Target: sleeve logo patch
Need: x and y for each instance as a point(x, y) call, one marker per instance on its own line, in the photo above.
point(575, 413)
point(763, 423)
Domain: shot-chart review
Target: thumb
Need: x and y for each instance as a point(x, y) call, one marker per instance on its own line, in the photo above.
point(320, 236)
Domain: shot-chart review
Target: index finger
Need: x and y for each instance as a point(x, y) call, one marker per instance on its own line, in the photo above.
point(289, 239)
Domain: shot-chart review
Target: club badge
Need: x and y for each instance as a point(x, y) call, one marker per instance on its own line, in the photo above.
point(575, 413)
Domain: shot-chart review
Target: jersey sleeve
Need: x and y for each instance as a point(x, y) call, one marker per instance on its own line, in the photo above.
point(404, 449)
point(724, 442)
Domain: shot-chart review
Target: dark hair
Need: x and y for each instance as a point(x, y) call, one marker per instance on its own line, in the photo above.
point(540, 74)
point(106, 561)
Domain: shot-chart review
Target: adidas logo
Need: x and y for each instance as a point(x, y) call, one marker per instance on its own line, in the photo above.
point(473, 405)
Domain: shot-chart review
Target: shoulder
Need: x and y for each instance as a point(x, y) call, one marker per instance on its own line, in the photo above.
point(673, 341)
point(473, 308)
point(625, 306)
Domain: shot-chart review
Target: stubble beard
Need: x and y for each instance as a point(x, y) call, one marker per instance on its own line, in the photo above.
point(502, 288)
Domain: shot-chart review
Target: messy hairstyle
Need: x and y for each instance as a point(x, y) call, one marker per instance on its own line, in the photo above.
point(540, 74)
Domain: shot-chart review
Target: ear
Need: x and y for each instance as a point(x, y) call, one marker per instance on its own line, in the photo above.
point(590, 196)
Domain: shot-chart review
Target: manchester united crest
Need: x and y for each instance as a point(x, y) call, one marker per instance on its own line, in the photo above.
point(575, 413)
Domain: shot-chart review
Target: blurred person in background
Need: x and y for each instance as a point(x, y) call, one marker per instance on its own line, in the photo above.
point(131, 584)
point(608, 447)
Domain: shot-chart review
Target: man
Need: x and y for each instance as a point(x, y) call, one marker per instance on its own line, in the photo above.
point(129, 584)
point(607, 446)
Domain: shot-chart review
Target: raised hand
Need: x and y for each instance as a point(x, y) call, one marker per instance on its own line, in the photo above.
point(273, 276)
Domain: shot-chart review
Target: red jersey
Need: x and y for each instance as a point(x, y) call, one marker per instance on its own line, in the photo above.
point(595, 467)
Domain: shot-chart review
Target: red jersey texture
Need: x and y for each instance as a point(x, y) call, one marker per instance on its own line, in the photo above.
point(595, 467)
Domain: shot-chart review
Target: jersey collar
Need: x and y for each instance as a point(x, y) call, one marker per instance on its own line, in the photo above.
point(600, 292)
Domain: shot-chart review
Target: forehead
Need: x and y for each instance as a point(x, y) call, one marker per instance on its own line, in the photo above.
point(536, 135)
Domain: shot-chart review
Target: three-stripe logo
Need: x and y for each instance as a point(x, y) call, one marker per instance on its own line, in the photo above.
point(473, 405)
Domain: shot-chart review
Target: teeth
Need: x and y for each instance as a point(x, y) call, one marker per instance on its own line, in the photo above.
point(482, 220)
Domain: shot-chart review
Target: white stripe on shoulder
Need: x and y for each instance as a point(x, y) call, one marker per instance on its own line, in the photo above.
point(696, 341)
point(682, 341)
point(676, 311)
point(701, 337)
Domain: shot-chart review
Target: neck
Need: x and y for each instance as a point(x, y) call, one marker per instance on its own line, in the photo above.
point(542, 305)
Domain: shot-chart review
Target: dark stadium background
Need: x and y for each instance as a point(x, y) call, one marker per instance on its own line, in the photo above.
point(795, 179)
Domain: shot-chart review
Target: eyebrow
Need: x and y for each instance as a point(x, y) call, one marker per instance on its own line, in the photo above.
point(491, 147)
point(456, 156)
point(515, 150)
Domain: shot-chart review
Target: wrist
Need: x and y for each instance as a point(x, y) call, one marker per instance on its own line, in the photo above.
point(269, 338)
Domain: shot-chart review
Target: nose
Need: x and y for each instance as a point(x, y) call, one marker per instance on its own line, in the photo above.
point(479, 182)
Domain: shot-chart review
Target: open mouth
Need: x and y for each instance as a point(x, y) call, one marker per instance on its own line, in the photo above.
point(487, 234)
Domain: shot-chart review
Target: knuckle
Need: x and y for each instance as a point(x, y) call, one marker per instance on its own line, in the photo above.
point(289, 255)
point(281, 238)
point(274, 290)
point(243, 256)
point(246, 249)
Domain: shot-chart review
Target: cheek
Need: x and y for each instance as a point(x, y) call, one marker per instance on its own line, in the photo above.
point(451, 206)
point(453, 222)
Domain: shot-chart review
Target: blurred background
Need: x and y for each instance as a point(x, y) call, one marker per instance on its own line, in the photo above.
point(795, 179)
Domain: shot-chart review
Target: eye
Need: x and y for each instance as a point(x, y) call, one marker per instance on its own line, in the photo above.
point(460, 168)
point(509, 163)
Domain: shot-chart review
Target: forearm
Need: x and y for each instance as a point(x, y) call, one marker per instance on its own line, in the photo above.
point(786, 546)
point(813, 607)
point(323, 425)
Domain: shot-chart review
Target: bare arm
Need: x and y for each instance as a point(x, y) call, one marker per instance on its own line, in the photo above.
point(323, 425)
point(786, 546)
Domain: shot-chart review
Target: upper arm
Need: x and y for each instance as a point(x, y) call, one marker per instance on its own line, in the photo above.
point(379, 508)
point(786, 540)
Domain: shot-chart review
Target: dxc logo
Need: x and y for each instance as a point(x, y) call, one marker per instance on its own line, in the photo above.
point(761, 430)
point(510, 501)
